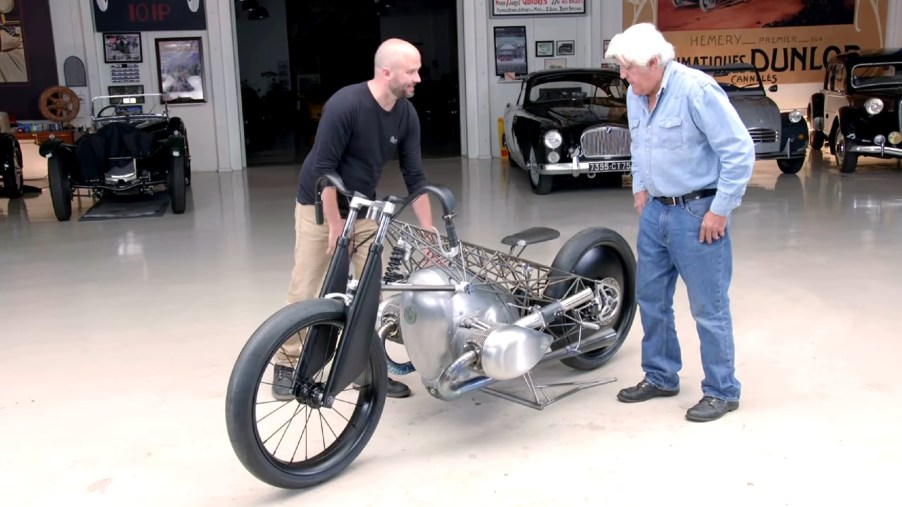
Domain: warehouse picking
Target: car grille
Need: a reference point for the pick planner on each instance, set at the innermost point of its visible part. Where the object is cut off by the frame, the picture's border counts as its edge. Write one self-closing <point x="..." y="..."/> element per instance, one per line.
<point x="760" y="135"/>
<point x="606" y="141"/>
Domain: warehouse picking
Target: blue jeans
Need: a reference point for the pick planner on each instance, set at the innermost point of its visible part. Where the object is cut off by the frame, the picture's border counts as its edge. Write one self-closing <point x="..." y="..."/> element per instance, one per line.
<point x="668" y="246"/>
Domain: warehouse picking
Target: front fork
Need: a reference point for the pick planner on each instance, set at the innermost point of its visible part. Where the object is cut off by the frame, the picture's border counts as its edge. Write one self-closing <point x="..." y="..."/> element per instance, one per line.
<point x="351" y="353"/>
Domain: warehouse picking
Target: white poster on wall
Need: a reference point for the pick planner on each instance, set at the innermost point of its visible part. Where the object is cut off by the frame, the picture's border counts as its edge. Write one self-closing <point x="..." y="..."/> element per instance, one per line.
<point x="537" y="7"/>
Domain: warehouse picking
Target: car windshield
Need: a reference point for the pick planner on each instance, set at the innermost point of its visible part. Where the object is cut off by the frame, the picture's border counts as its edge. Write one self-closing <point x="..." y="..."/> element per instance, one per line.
<point x="744" y="79"/>
<point x="877" y="74"/>
<point x="132" y="105"/>
<point x="597" y="89"/>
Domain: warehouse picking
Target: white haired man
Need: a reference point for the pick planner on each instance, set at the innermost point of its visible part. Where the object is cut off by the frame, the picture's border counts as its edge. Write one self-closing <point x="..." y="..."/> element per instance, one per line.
<point x="692" y="158"/>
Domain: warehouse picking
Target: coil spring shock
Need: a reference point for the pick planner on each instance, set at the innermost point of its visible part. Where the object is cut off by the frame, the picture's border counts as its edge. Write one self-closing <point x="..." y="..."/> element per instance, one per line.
<point x="394" y="262"/>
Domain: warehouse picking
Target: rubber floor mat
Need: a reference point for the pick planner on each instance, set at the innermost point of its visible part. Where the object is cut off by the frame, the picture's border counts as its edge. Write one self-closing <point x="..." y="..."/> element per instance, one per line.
<point x="127" y="206"/>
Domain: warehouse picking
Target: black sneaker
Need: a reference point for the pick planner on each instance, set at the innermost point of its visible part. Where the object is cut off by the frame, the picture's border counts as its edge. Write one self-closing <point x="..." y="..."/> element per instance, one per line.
<point x="282" y="382"/>
<point x="397" y="389"/>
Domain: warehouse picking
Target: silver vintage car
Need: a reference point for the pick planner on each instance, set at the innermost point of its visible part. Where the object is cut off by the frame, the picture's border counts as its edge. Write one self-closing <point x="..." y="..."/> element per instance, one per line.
<point x="780" y="136"/>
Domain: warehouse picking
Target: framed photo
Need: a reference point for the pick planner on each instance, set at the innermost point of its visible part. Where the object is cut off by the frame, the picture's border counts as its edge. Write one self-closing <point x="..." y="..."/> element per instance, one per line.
<point x="13" y="62"/>
<point x="510" y="51"/>
<point x="180" y="70"/>
<point x="501" y="8"/>
<point x="122" y="48"/>
<point x="565" y="48"/>
<point x="555" y="63"/>
<point x="544" y="48"/>
<point x="127" y="90"/>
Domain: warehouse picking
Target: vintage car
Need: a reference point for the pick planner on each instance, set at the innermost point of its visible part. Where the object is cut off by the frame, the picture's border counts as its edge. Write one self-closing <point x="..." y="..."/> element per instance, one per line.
<point x="859" y="110"/>
<point x="568" y="122"/>
<point x="134" y="147"/>
<point x="12" y="179"/>
<point x="777" y="135"/>
<point x="705" y="5"/>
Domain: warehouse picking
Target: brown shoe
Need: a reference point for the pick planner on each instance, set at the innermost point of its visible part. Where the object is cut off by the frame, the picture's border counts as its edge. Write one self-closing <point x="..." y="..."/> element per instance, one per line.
<point x="644" y="391"/>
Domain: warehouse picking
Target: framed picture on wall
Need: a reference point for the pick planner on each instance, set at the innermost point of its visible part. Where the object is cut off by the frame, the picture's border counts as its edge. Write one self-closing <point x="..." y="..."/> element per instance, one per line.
<point x="555" y="63"/>
<point x="12" y="39"/>
<point x="544" y="48"/>
<point x="122" y="48"/>
<point x="180" y="70"/>
<point x="565" y="48"/>
<point x="136" y="89"/>
<point x="510" y="50"/>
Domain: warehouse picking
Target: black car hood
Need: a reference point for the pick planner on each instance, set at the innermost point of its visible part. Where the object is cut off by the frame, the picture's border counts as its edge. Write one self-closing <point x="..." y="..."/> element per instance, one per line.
<point x="575" y="114"/>
<point x="879" y="92"/>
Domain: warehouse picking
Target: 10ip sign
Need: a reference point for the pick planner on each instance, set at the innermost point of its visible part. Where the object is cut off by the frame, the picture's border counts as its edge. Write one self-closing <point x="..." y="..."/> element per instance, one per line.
<point x="148" y="15"/>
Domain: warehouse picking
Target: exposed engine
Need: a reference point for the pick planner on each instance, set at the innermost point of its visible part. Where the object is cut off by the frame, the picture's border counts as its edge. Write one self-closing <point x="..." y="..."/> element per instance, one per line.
<point x="459" y="341"/>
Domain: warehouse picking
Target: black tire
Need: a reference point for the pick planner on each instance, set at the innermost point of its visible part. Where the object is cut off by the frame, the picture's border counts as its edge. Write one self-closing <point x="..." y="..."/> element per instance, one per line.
<point x="60" y="188"/>
<point x="540" y="183"/>
<point x="845" y="160"/>
<point x="13" y="175"/>
<point x="258" y="448"/>
<point x="177" y="185"/>
<point x="599" y="253"/>
<point x="816" y="139"/>
<point x="790" y="165"/>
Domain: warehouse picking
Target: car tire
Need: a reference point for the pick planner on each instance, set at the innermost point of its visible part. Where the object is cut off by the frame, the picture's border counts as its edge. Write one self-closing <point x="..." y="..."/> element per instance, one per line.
<point x="816" y="139"/>
<point x="60" y="188"/>
<point x="14" y="176"/>
<point x="540" y="183"/>
<point x="845" y="160"/>
<point x="177" y="185"/>
<point x="790" y="165"/>
<point x="707" y="5"/>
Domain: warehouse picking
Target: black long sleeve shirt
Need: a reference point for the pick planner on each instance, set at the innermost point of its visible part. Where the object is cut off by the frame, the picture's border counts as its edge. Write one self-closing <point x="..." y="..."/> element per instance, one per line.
<point x="356" y="138"/>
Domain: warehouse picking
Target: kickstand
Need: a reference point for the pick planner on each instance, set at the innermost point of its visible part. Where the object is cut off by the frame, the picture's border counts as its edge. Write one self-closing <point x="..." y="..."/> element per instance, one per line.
<point x="541" y="399"/>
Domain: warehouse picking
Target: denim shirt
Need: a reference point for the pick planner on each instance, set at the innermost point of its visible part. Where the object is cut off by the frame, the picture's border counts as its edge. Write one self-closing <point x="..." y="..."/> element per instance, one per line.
<point x="693" y="140"/>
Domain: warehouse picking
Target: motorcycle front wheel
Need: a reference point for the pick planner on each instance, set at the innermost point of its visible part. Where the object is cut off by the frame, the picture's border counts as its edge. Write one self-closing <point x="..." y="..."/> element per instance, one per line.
<point x="299" y="443"/>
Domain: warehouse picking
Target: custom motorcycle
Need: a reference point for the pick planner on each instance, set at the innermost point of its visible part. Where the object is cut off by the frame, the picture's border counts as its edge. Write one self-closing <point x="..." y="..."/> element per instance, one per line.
<point x="470" y="319"/>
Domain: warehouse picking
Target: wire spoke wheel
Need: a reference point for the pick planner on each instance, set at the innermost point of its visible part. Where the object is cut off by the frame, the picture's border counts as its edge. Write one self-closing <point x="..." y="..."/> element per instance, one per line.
<point x="303" y="441"/>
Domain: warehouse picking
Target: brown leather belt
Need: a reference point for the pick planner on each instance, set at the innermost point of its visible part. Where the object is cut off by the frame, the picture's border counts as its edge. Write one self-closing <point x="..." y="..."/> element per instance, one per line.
<point x="691" y="196"/>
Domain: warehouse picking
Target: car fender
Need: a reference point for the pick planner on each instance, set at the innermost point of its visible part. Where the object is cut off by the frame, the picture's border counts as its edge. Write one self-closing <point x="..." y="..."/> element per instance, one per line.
<point x="848" y="117"/>
<point x="50" y="147"/>
<point x="816" y="112"/>
<point x="176" y="144"/>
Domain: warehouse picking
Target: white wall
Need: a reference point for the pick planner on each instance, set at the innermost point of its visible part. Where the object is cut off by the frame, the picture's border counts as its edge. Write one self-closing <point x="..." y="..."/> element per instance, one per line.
<point x="214" y="126"/>
<point x="483" y="97"/>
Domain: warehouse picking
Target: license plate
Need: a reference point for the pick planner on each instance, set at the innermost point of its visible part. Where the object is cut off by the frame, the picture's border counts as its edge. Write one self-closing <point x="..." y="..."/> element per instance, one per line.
<point x="606" y="167"/>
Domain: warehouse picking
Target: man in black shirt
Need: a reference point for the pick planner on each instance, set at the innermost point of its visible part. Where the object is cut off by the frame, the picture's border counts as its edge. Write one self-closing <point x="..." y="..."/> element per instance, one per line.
<point x="362" y="127"/>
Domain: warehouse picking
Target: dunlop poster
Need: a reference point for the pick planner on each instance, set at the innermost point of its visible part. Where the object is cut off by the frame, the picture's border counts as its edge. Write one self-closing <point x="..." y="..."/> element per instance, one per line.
<point x="788" y="41"/>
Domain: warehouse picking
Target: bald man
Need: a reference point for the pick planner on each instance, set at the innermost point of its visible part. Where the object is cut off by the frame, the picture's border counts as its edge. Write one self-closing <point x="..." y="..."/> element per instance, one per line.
<point x="362" y="127"/>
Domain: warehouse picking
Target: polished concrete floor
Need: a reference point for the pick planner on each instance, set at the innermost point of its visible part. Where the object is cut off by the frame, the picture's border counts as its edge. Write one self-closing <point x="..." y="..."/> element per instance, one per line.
<point x="117" y="339"/>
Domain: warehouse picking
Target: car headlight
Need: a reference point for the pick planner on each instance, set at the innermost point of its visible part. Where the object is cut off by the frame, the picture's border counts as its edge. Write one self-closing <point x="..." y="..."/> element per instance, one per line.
<point x="554" y="157"/>
<point x="553" y="139"/>
<point x="795" y="116"/>
<point x="873" y="106"/>
<point x="895" y="137"/>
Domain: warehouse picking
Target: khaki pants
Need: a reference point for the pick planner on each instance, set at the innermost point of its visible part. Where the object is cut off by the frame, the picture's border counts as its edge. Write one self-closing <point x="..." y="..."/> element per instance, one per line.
<point x="311" y="263"/>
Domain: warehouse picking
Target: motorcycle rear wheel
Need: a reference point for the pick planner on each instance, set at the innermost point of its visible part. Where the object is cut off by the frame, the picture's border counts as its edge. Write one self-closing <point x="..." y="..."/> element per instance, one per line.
<point x="290" y="444"/>
<point x="598" y="253"/>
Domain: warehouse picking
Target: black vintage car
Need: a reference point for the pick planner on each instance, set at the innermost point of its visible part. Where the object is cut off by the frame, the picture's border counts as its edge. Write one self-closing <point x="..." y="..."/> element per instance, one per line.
<point x="12" y="179"/>
<point x="134" y="147"/>
<point x="568" y="122"/>
<point x="859" y="110"/>
<point x="778" y="135"/>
